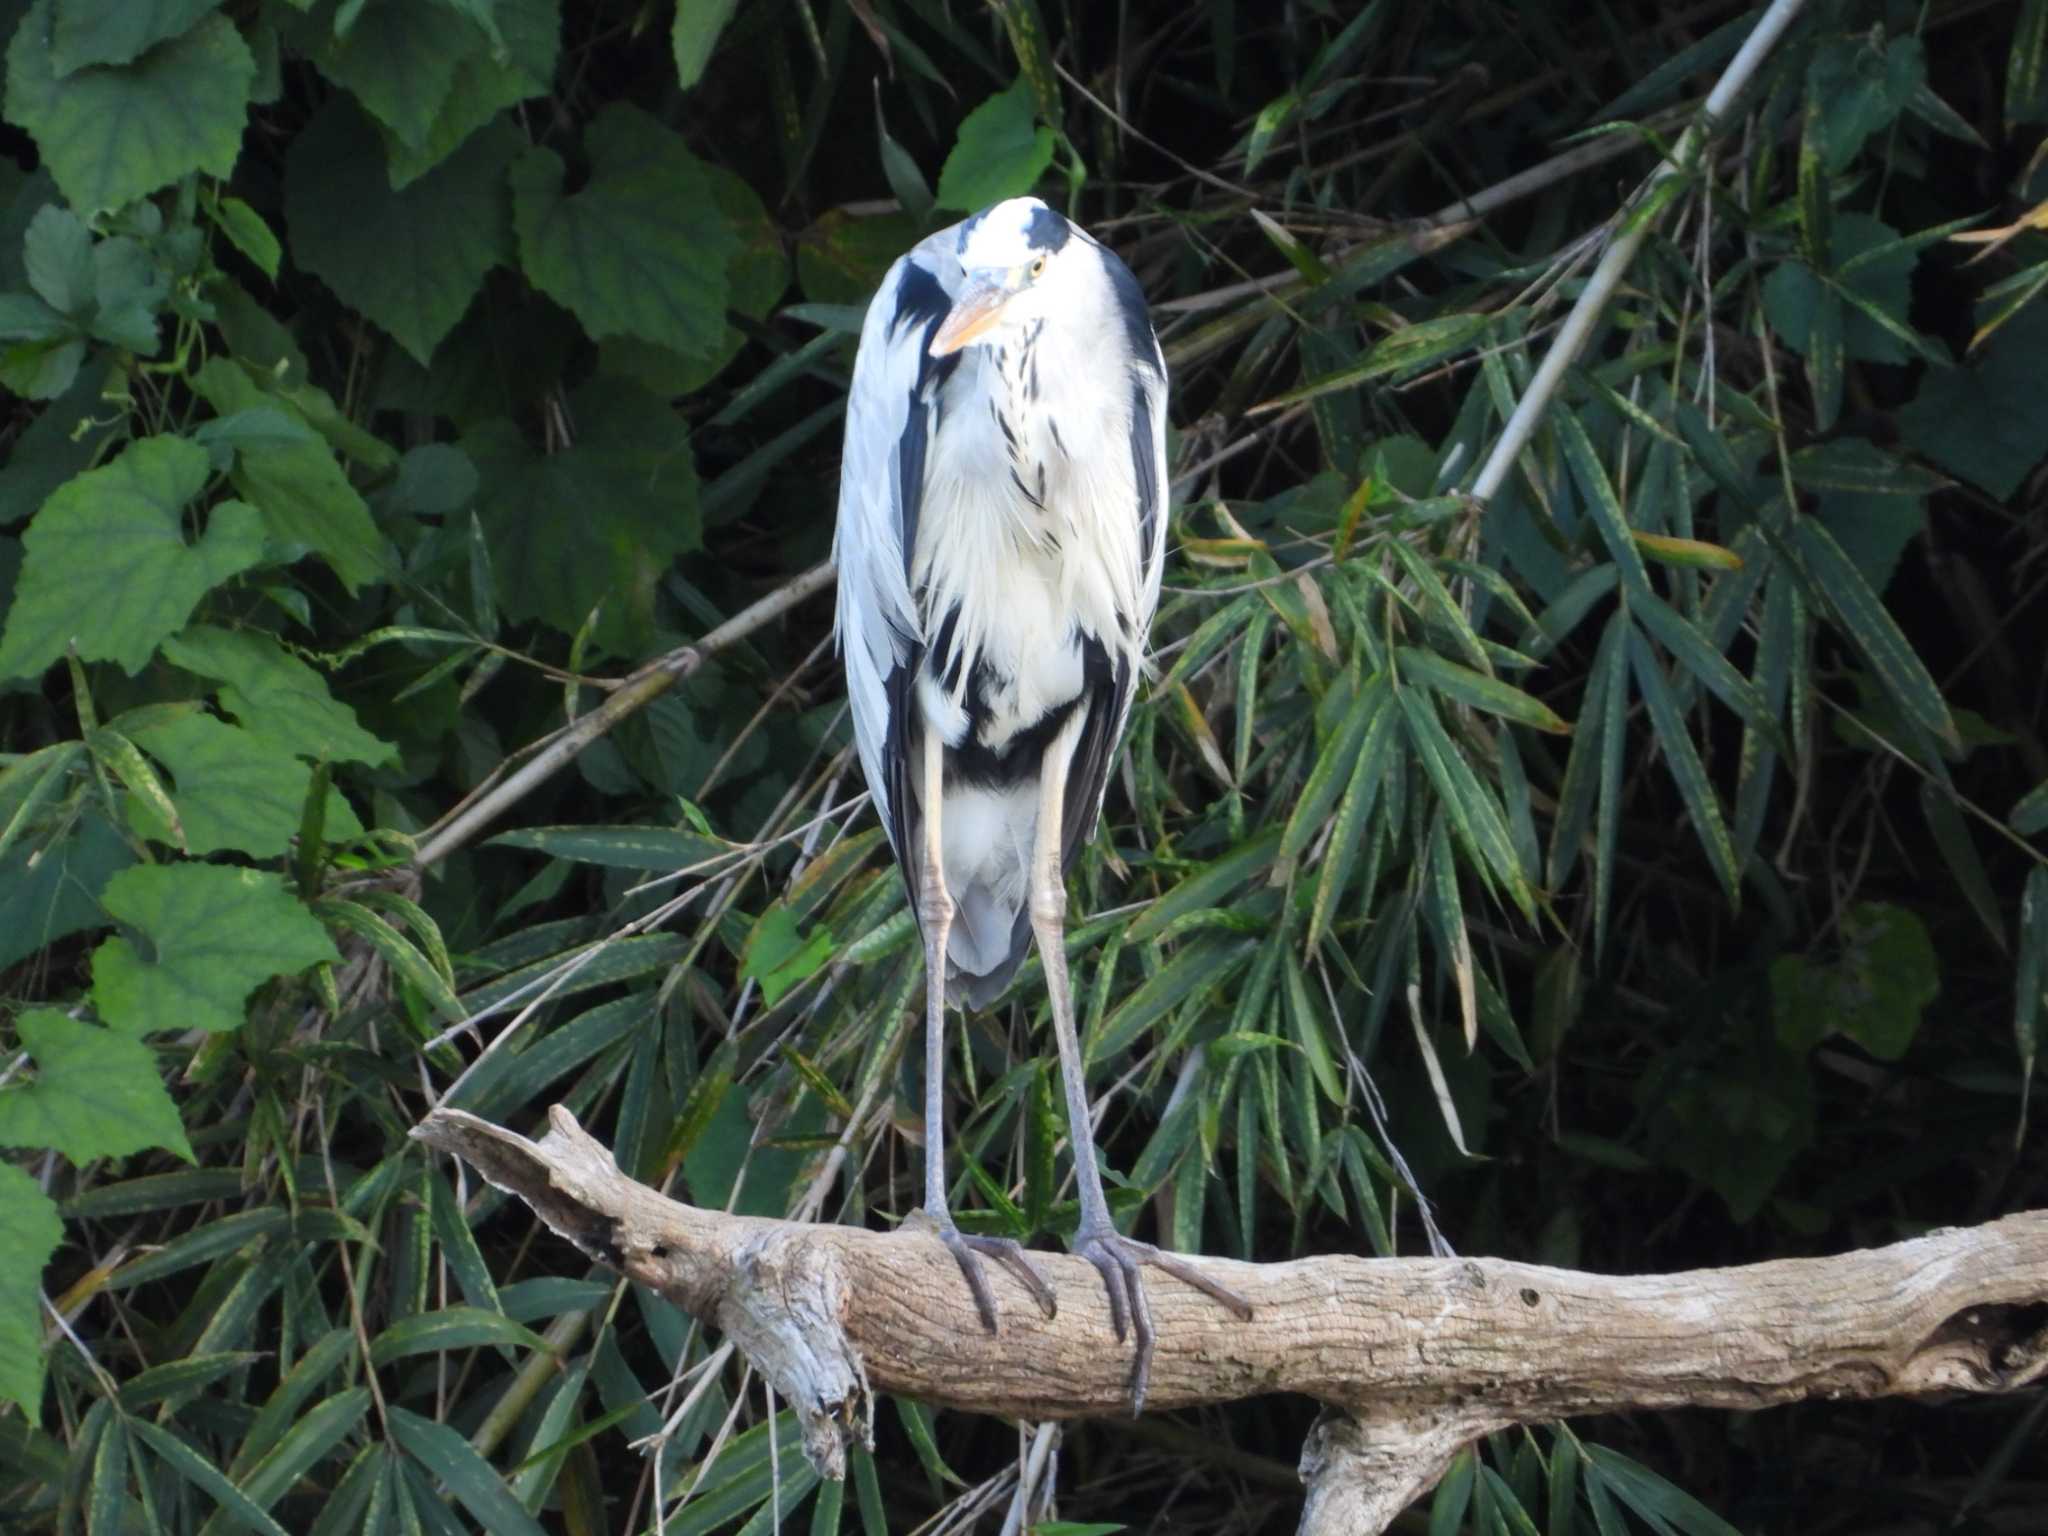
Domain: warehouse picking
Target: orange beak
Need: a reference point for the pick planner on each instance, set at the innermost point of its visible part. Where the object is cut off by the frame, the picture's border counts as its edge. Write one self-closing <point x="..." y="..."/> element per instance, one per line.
<point x="977" y="309"/>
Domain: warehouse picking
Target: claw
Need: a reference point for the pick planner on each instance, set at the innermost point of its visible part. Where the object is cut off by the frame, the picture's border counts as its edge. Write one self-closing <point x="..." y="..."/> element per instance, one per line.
<point x="1006" y="1251"/>
<point x="1117" y="1258"/>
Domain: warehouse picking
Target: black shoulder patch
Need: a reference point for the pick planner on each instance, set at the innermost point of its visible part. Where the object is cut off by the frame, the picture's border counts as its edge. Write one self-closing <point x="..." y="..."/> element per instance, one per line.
<point x="1047" y="230"/>
<point x="920" y="300"/>
<point x="1144" y="468"/>
<point x="1135" y="313"/>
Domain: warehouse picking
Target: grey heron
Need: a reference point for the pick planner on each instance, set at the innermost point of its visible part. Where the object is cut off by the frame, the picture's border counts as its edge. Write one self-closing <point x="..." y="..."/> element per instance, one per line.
<point x="1002" y="527"/>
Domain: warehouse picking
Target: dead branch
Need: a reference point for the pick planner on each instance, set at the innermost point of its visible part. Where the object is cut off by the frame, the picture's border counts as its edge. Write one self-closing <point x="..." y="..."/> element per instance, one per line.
<point x="1415" y="1356"/>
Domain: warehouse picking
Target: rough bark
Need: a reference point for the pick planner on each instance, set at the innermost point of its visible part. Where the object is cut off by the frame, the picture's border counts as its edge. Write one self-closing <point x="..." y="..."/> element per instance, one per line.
<point x="1414" y="1356"/>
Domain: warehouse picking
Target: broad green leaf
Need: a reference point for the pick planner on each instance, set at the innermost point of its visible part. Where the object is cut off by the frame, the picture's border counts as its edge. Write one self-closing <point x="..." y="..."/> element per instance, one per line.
<point x="1987" y="422"/>
<point x="484" y="84"/>
<point x="450" y="1328"/>
<point x="118" y="31"/>
<point x="640" y="249"/>
<point x="399" y="58"/>
<point x="695" y="33"/>
<point x="214" y="934"/>
<point x="95" y="1093"/>
<point x="632" y="477"/>
<point x="1875" y="991"/>
<point x="1001" y="152"/>
<point x="276" y="696"/>
<point x="622" y="847"/>
<point x="29" y="1234"/>
<point x="411" y="260"/>
<point x="1880" y="284"/>
<point x="1478" y="690"/>
<point x="447" y="1456"/>
<point x="232" y="789"/>
<point x="110" y="546"/>
<point x="1682" y="757"/>
<point x="304" y="496"/>
<point x="1874" y="632"/>
<point x="112" y="134"/>
<point x="779" y="957"/>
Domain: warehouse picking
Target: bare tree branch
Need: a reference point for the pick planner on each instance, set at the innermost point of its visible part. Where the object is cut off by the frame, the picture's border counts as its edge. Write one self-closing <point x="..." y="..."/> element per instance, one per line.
<point x="1416" y="1356"/>
<point x="646" y="685"/>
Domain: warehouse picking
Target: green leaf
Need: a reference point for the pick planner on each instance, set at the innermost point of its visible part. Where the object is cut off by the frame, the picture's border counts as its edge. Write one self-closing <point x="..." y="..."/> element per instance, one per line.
<point x="233" y="790"/>
<point x="398" y="57"/>
<point x="411" y="260"/>
<point x="632" y="477"/>
<point x="214" y="933"/>
<point x="310" y="1439"/>
<point x="1648" y="1494"/>
<point x="56" y="253"/>
<point x="1987" y="423"/>
<point x="276" y="696"/>
<point x="112" y="134"/>
<point x="1875" y="991"/>
<point x="624" y="847"/>
<point x="29" y="1233"/>
<point x="247" y="232"/>
<point x="778" y="957"/>
<point x="1000" y="152"/>
<point x="485" y="83"/>
<point x="202" y="1474"/>
<point x="95" y="1093"/>
<point x="1873" y="630"/>
<point x="1682" y="757"/>
<point x="450" y="1328"/>
<point x="640" y="249"/>
<point x="695" y="34"/>
<point x="452" y="1460"/>
<point x="1478" y="690"/>
<point x="51" y="892"/>
<point x="305" y="499"/>
<point x="1878" y="284"/>
<point x="110" y="544"/>
<point x="1203" y="963"/>
<point x="1601" y="503"/>
<point x="118" y="31"/>
<point x="2029" y="816"/>
<point x="1332" y="771"/>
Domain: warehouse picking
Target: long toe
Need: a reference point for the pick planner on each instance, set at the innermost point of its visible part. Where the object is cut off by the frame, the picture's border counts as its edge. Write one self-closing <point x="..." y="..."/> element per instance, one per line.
<point x="1011" y="1254"/>
<point x="963" y="1251"/>
<point x="1118" y="1259"/>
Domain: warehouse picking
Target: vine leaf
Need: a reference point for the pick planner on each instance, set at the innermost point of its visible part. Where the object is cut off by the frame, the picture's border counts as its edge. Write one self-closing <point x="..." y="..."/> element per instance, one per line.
<point x="96" y="1093"/>
<point x="275" y="695"/>
<point x="107" y="568"/>
<point x="216" y="933"/>
<point x="112" y="134"/>
<point x="641" y="248"/>
<point x="411" y="260"/>
<point x="29" y="1233"/>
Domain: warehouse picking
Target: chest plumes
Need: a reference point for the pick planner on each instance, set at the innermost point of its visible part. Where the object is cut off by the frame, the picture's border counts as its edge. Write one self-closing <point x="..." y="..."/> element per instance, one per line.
<point x="1029" y="535"/>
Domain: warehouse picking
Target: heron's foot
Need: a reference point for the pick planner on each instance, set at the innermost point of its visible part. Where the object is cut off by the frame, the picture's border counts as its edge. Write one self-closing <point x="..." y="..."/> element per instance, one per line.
<point x="967" y="1253"/>
<point x="1117" y="1258"/>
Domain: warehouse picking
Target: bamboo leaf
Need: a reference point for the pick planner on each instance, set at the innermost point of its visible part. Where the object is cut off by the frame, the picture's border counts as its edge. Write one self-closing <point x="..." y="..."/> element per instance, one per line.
<point x="1682" y="757"/>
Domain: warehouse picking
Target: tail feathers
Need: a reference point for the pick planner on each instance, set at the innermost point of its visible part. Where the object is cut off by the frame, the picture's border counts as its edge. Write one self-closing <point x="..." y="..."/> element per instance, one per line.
<point x="988" y="942"/>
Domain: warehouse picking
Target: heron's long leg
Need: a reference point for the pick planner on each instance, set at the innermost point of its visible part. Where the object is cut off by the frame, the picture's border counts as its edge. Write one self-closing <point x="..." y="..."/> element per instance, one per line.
<point x="1096" y="1239"/>
<point x="935" y="913"/>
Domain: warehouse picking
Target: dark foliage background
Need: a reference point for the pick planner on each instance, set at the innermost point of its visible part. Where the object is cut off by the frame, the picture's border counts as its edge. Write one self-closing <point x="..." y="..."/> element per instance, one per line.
<point x="388" y="378"/>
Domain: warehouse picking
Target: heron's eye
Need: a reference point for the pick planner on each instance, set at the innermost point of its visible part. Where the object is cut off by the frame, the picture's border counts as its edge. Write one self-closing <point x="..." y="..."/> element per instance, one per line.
<point x="1038" y="268"/>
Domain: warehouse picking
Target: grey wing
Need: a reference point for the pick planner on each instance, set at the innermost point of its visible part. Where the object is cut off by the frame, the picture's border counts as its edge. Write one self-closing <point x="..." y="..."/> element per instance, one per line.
<point x="890" y="415"/>
<point x="1109" y="704"/>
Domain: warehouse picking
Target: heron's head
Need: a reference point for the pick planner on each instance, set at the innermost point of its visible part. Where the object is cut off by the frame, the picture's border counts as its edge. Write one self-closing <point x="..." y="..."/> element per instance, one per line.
<point x="1016" y="255"/>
